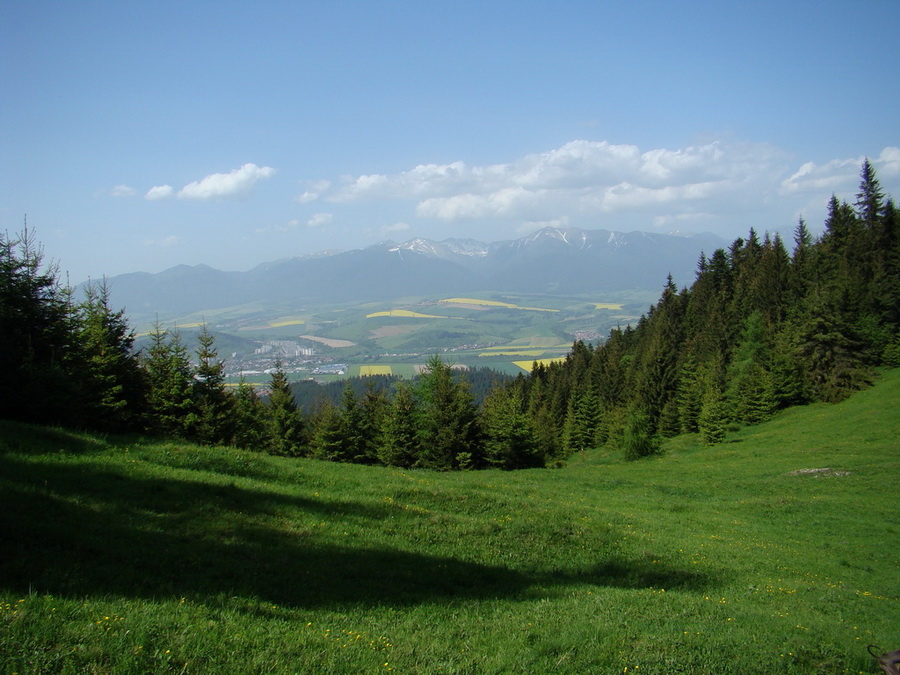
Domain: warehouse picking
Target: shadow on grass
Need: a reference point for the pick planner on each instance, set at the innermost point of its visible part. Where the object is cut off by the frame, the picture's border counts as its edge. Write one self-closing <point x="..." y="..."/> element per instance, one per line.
<point x="77" y="529"/>
<point x="30" y="439"/>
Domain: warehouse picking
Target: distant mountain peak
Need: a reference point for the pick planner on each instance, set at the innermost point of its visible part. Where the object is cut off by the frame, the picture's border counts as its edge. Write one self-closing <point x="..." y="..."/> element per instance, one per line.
<point x="566" y="260"/>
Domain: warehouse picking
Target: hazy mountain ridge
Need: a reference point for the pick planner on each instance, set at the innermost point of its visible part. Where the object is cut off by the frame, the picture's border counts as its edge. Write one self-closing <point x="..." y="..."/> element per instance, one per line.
<point x="552" y="260"/>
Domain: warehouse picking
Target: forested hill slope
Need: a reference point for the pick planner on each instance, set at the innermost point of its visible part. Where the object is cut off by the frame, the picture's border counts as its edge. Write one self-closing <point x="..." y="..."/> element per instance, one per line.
<point x="760" y="329"/>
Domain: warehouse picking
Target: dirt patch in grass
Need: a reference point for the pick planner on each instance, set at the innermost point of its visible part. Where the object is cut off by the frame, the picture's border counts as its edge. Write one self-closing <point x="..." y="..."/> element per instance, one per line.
<point x="818" y="473"/>
<point x="392" y="331"/>
<point x="328" y="342"/>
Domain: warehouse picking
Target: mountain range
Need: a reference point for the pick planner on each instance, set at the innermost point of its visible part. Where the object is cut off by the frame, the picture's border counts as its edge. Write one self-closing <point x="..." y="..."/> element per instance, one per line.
<point x="561" y="261"/>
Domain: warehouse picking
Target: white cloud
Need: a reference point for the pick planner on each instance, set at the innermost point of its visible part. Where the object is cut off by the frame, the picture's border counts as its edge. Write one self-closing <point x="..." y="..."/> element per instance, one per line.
<point x="165" y="242"/>
<point x="839" y="176"/>
<point x="530" y="226"/>
<point x="888" y="163"/>
<point x="319" y="219"/>
<point x="826" y="178"/>
<point x="580" y="179"/>
<point x="238" y="183"/>
<point x="396" y="227"/>
<point x="123" y="191"/>
<point x="721" y="186"/>
<point x="313" y="192"/>
<point x="159" y="192"/>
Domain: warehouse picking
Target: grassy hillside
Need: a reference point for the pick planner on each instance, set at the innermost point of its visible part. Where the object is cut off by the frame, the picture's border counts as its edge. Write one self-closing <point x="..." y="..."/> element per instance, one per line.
<point x="130" y="556"/>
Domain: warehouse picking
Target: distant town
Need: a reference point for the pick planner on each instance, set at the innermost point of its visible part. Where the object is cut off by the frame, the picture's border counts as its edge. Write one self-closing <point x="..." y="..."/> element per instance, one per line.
<point x="295" y="359"/>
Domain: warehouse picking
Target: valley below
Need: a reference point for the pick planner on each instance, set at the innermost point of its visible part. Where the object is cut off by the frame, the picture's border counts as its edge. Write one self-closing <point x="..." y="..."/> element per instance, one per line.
<point x="502" y="331"/>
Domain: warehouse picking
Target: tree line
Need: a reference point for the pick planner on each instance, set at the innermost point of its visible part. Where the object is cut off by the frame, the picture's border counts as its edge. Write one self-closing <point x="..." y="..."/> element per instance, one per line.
<point x="759" y="329"/>
<point x="73" y="362"/>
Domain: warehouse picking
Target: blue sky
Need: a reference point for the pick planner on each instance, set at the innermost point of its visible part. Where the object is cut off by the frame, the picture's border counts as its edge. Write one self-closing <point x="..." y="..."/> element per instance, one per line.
<point x="141" y="135"/>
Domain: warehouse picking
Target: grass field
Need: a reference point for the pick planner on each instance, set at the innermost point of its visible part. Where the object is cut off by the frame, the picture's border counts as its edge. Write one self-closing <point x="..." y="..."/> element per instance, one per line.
<point x="122" y="555"/>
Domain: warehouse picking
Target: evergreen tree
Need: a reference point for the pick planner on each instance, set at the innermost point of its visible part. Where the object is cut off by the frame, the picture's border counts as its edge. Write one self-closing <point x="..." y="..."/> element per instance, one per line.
<point x="373" y="409"/>
<point x="352" y="429"/>
<point x="546" y="428"/>
<point x="750" y="389"/>
<point x="830" y="353"/>
<point x="578" y="429"/>
<point x="36" y="334"/>
<point x="788" y="378"/>
<point x="448" y="422"/>
<point x="802" y="271"/>
<point x="670" y="419"/>
<point x="107" y="370"/>
<point x="870" y="198"/>
<point x="399" y="438"/>
<point x="509" y="438"/>
<point x="609" y="384"/>
<point x="247" y="428"/>
<point x="714" y="417"/>
<point x="657" y="367"/>
<point x="213" y="414"/>
<point x="284" y="429"/>
<point x="169" y="380"/>
<point x="639" y="440"/>
<point x="327" y="440"/>
<point x="886" y="288"/>
<point x="690" y="396"/>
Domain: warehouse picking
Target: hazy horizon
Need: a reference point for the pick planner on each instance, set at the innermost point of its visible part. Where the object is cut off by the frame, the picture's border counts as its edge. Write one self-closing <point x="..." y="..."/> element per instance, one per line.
<point x="137" y="137"/>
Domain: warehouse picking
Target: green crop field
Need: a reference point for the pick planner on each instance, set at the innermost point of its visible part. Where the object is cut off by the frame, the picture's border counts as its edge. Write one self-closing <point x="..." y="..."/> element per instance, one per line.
<point x="775" y="552"/>
<point x="470" y="330"/>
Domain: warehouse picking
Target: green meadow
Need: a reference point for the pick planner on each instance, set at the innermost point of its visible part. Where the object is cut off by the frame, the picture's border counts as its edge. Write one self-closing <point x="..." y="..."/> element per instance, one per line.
<point x="775" y="552"/>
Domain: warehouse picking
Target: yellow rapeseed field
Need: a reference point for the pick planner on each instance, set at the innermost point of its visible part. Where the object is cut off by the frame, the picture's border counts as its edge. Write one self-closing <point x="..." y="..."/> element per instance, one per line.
<point x="495" y="303"/>
<point x="365" y="371"/>
<point x="526" y="365"/>
<point x="405" y="313"/>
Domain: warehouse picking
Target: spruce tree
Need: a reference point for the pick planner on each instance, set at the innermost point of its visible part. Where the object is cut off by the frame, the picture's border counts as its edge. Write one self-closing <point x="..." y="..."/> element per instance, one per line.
<point x="546" y="426"/>
<point x="36" y="326"/>
<point x="107" y="371"/>
<point x="353" y="442"/>
<point x="399" y="438"/>
<point x="690" y="396"/>
<point x="870" y="198"/>
<point x="802" y="270"/>
<point x="448" y="419"/>
<point x="327" y="440"/>
<point x="657" y="360"/>
<point x="509" y="438"/>
<point x="579" y="428"/>
<point x="247" y="430"/>
<point x="169" y="379"/>
<point x="373" y="408"/>
<point x="755" y="395"/>
<point x="830" y="353"/>
<point x="639" y="439"/>
<point x="213" y="414"/>
<point x="714" y="417"/>
<point x="284" y="428"/>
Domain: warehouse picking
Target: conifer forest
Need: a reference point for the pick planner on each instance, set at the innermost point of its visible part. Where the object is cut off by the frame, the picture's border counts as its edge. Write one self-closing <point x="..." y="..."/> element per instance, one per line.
<point x="765" y="325"/>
